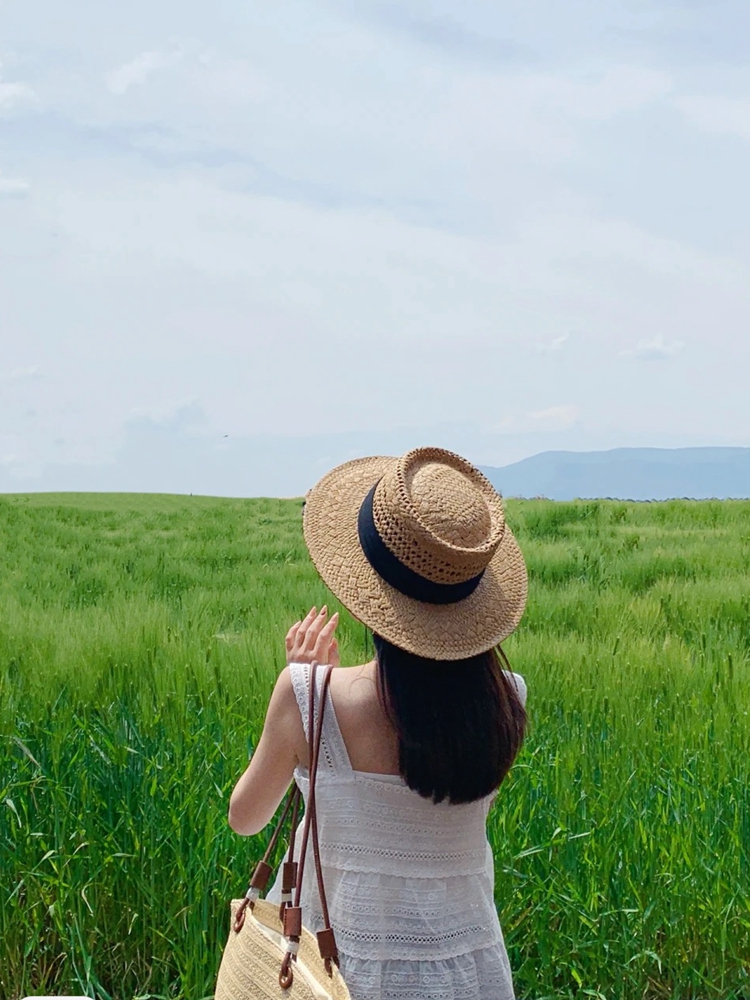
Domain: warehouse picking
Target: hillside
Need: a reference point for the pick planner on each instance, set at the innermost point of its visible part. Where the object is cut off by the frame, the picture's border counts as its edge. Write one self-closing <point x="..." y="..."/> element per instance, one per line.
<point x="628" y="474"/>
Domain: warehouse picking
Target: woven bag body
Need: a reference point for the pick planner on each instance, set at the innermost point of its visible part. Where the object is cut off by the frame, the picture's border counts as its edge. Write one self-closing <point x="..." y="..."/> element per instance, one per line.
<point x="249" y="968"/>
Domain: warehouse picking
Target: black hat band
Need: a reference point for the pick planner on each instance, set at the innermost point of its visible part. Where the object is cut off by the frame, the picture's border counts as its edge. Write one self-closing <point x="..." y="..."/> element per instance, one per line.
<point x="399" y="576"/>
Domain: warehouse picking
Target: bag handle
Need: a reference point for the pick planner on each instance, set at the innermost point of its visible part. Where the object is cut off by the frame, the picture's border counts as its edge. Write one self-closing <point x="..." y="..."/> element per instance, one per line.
<point x="292" y="871"/>
<point x="263" y="870"/>
<point x="292" y="918"/>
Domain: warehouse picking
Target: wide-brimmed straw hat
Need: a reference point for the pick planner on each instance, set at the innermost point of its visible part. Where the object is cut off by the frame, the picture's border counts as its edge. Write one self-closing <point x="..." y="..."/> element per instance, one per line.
<point x="418" y="549"/>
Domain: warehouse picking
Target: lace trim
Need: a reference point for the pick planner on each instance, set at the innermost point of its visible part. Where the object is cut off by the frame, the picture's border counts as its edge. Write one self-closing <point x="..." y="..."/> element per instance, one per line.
<point x="346" y="819"/>
<point x="385" y="917"/>
<point x="374" y="859"/>
<point x="409" y="864"/>
<point x="400" y="947"/>
<point x="482" y="975"/>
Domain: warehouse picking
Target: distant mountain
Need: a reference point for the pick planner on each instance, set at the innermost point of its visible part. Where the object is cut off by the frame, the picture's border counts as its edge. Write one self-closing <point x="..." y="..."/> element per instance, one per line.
<point x="628" y="474"/>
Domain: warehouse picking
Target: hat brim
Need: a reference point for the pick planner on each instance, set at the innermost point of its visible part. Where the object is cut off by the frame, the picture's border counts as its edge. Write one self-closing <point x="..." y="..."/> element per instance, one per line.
<point x="440" y="632"/>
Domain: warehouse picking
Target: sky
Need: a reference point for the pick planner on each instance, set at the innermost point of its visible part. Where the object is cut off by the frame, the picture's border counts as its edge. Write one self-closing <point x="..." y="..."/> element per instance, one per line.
<point x="243" y="242"/>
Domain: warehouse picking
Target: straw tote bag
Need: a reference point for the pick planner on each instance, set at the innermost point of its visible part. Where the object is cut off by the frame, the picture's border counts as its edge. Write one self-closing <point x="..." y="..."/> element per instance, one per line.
<point x="269" y="952"/>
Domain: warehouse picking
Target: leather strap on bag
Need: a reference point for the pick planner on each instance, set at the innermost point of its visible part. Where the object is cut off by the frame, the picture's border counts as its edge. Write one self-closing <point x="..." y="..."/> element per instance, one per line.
<point x="263" y="870"/>
<point x="292" y="917"/>
<point x="289" y="869"/>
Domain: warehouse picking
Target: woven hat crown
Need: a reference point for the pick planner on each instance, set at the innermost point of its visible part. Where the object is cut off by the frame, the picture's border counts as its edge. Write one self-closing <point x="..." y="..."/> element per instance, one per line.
<point x="439" y="515"/>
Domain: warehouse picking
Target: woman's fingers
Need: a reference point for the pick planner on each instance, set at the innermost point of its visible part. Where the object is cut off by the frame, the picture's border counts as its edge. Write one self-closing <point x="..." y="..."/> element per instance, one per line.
<point x="301" y="633"/>
<point x="309" y="617"/>
<point x="313" y="630"/>
<point x="290" y="636"/>
<point x="312" y="638"/>
<point x="323" y="641"/>
<point x="296" y="635"/>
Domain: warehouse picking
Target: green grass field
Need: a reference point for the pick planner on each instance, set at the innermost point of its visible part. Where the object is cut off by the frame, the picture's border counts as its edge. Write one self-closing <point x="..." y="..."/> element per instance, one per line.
<point x="139" y="641"/>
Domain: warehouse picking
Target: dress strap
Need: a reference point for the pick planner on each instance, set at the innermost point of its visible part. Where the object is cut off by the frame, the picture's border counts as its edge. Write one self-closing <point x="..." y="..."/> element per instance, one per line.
<point x="334" y="758"/>
<point x="300" y="675"/>
<point x="520" y="686"/>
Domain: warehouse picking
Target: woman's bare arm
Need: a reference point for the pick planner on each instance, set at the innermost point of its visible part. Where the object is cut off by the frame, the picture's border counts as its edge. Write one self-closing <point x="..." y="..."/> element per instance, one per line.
<point x="282" y="745"/>
<point x="261" y="788"/>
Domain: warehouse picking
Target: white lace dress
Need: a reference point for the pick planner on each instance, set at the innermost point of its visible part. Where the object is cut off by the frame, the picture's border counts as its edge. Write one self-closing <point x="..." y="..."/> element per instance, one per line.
<point x="409" y="883"/>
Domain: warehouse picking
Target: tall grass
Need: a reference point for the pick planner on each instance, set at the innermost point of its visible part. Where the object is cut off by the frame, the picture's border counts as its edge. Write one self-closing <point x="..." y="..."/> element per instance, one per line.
<point x="139" y="641"/>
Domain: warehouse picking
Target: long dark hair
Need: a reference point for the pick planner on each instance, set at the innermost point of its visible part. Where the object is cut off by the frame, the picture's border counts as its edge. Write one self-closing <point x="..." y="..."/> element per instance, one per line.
<point x="460" y="723"/>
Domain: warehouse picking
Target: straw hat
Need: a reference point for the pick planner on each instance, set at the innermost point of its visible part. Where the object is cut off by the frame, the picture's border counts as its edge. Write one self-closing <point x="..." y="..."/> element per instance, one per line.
<point x="417" y="548"/>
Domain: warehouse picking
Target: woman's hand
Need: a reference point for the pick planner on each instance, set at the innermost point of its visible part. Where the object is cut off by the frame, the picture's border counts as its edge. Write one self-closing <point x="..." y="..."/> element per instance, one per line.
<point x="313" y="639"/>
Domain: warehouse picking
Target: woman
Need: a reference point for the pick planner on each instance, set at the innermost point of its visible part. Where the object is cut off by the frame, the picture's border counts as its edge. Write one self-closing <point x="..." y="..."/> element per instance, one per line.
<point x="417" y="741"/>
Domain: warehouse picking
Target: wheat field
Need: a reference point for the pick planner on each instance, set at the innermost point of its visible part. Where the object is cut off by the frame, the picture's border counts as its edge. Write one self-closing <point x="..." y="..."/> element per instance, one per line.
<point x="140" y="636"/>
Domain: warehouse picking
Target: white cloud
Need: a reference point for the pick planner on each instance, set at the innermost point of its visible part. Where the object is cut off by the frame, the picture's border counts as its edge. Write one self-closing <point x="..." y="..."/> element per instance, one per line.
<point x="11" y="187"/>
<point x="542" y="113"/>
<point x="653" y="350"/>
<point x="553" y="345"/>
<point x="181" y="413"/>
<point x="10" y="93"/>
<point x="21" y="374"/>
<point x="597" y="96"/>
<point x="140" y="68"/>
<point x="720" y="115"/>
<point x="553" y="418"/>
